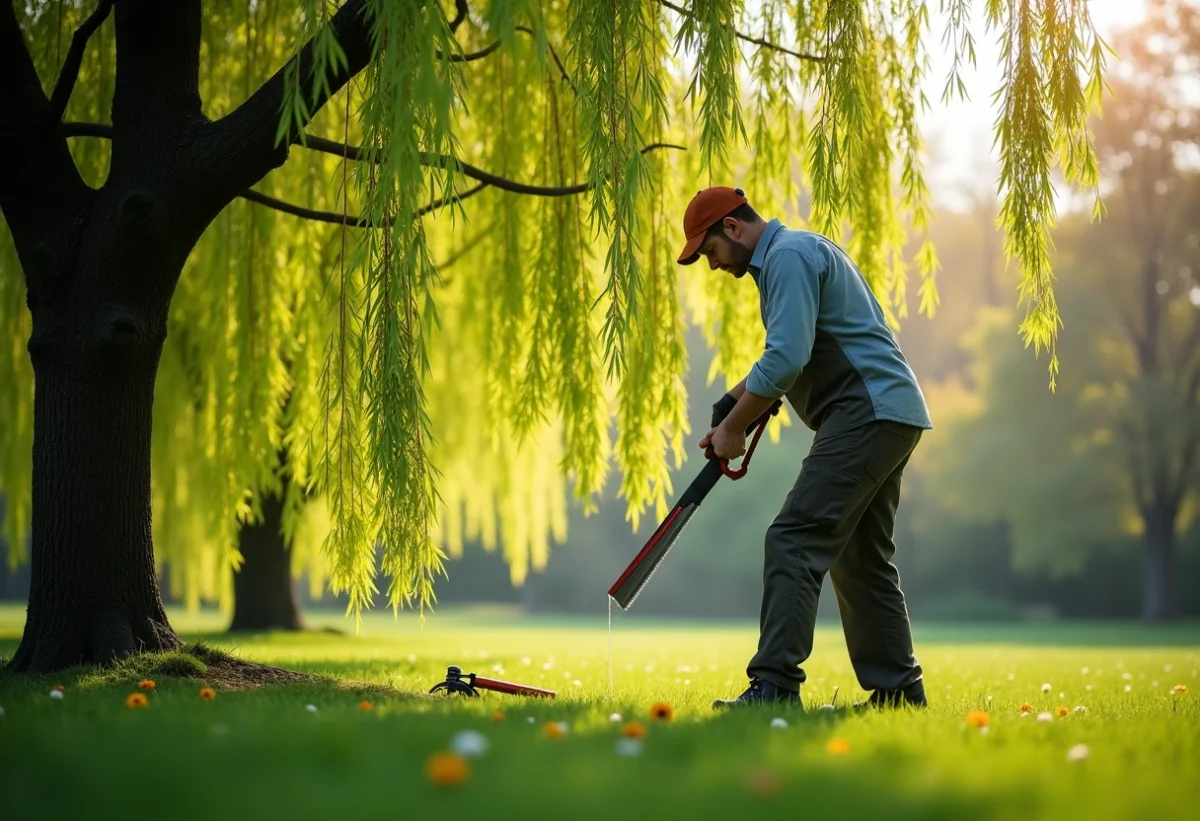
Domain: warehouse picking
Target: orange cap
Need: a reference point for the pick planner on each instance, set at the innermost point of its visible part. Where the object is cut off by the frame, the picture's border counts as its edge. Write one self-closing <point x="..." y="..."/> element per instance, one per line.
<point x="706" y="208"/>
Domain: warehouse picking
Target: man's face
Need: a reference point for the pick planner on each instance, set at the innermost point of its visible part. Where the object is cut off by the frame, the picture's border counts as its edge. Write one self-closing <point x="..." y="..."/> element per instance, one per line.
<point x="727" y="251"/>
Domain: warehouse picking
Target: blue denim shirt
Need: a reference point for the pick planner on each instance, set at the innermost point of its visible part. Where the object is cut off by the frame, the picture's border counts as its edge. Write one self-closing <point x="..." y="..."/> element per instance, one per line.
<point x="829" y="348"/>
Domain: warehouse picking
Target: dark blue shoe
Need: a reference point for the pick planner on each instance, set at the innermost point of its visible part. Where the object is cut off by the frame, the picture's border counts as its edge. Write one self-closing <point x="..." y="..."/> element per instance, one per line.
<point x="761" y="692"/>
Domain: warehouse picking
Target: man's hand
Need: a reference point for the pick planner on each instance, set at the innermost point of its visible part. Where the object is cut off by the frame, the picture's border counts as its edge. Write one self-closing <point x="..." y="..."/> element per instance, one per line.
<point x="725" y="442"/>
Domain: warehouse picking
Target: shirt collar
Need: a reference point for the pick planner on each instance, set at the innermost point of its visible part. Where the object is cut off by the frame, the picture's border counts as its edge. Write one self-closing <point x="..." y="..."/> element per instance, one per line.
<point x="764" y="242"/>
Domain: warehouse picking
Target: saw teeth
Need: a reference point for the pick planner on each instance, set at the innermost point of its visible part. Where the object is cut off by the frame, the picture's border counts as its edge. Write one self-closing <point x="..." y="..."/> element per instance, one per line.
<point x="687" y="517"/>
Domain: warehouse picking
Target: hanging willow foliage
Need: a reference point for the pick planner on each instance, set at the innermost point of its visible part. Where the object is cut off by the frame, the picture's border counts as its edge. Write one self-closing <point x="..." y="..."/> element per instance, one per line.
<point x="444" y="367"/>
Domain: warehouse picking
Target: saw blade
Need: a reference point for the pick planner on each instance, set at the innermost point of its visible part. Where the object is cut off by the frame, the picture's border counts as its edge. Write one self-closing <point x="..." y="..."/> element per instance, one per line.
<point x="646" y="563"/>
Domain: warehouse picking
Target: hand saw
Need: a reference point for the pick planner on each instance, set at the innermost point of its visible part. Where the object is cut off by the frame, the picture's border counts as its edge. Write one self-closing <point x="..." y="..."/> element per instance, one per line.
<point x="628" y="586"/>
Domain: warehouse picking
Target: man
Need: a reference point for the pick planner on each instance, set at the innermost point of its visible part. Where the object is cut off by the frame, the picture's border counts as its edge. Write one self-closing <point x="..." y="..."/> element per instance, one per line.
<point x="830" y="351"/>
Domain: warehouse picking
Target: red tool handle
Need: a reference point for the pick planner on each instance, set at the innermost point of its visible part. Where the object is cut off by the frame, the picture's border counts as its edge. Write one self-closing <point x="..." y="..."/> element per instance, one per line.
<point x="509" y="687"/>
<point x="759" y="425"/>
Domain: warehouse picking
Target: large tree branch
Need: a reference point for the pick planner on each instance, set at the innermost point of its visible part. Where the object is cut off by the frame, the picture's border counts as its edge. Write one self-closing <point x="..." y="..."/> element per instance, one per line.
<point x="352" y="152"/>
<point x="40" y="187"/>
<point x="245" y="140"/>
<point x="349" y="220"/>
<point x="158" y="61"/>
<point x="460" y="14"/>
<point x="70" y="68"/>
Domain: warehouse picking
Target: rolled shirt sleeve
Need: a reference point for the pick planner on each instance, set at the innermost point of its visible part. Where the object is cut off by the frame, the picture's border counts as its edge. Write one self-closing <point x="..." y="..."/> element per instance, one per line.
<point x="790" y="288"/>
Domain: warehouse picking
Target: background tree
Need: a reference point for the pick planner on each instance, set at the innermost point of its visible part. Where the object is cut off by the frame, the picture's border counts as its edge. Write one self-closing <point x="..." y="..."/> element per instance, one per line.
<point x="422" y="402"/>
<point x="1116" y="449"/>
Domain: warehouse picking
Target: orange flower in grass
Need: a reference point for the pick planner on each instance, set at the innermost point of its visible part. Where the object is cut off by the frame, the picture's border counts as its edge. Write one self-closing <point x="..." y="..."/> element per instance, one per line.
<point x="978" y="718"/>
<point x="837" y="746"/>
<point x="661" y="711"/>
<point x="555" y="730"/>
<point x="447" y="769"/>
<point x="1063" y="712"/>
<point x="146" y="685"/>
<point x="366" y="705"/>
<point x="1026" y="708"/>
<point x="135" y="700"/>
<point x="1180" y="689"/>
<point x="208" y="693"/>
<point x="633" y="730"/>
<point x="497" y="716"/>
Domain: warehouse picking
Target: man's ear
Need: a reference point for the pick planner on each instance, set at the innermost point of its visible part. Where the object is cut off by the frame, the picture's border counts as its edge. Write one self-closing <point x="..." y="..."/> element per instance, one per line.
<point x="733" y="227"/>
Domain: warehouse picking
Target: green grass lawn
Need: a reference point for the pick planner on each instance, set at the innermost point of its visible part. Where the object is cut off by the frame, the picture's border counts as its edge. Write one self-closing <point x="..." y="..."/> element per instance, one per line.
<point x="262" y="754"/>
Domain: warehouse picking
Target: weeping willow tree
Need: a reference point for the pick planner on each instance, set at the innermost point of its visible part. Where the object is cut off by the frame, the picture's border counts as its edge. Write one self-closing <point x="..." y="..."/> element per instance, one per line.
<point x="411" y="267"/>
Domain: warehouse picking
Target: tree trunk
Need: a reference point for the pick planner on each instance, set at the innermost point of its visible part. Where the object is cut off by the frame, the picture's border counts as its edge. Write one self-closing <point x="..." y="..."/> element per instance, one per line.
<point x="100" y="268"/>
<point x="94" y="594"/>
<point x="264" y="597"/>
<point x="1158" y="603"/>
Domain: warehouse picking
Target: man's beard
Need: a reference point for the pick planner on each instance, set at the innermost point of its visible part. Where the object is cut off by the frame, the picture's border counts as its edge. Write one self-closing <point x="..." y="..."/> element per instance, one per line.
<point x="741" y="260"/>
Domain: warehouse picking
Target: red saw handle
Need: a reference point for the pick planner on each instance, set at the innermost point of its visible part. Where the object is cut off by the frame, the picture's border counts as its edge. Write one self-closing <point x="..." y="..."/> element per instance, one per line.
<point x="758" y="426"/>
<point x="509" y="687"/>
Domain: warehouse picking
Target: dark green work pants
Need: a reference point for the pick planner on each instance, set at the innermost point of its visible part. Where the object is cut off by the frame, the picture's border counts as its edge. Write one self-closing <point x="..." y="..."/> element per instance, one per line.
<point x="838" y="519"/>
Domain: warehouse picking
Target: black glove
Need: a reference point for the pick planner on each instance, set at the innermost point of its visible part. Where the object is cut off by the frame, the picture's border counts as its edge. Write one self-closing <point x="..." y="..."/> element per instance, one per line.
<point x="722" y="408"/>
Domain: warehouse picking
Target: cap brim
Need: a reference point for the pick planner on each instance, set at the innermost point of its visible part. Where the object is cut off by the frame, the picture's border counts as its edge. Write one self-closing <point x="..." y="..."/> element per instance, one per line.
<point x="691" y="251"/>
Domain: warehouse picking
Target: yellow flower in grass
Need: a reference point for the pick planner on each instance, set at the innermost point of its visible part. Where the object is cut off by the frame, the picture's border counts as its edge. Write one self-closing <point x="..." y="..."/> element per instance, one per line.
<point x="366" y="705"/>
<point x="208" y="693"/>
<point x="447" y="769"/>
<point x="978" y="718"/>
<point x="135" y="700"/>
<point x="837" y="746"/>
<point x="1026" y="708"/>
<point x="146" y="685"/>
<point x="661" y="711"/>
<point x="1063" y="712"/>
<point x="1180" y="689"/>
<point x="634" y="729"/>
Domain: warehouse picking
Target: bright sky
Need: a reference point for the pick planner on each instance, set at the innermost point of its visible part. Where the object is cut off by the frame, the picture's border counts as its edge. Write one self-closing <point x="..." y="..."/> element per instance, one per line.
<point x="961" y="132"/>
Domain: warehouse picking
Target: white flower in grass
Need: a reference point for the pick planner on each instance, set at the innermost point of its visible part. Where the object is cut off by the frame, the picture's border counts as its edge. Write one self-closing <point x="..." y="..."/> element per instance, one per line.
<point x="826" y="707"/>
<point x="1084" y="671"/>
<point x="1080" y="709"/>
<point x="1011" y="676"/>
<point x="615" y="717"/>
<point x="529" y="719"/>
<point x="1045" y="717"/>
<point x="779" y="721"/>
<point x="628" y="747"/>
<point x="1078" y="753"/>
<point x="577" y="683"/>
<point x="1046" y="687"/>
<point x="56" y="694"/>
<point x="312" y="708"/>
<point x="1129" y="688"/>
<point x="469" y="744"/>
<point x="1" y="712"/>
<point x="1089" y="688"/>
<point x="1127" y="676"/>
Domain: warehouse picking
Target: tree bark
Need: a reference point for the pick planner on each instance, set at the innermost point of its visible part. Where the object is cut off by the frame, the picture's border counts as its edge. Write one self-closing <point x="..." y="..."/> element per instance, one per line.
<point x="98" y="328"/>
<point x="264" y="596"/>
